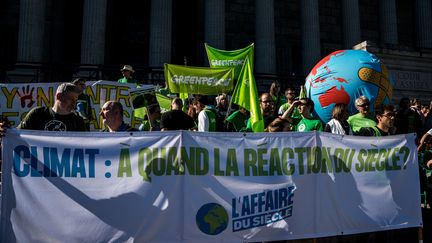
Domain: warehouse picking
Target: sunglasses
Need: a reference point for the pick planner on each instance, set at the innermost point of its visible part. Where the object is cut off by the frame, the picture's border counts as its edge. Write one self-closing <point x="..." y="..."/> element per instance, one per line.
<point x="364" y="105"/>
<point x="389" y="115"/>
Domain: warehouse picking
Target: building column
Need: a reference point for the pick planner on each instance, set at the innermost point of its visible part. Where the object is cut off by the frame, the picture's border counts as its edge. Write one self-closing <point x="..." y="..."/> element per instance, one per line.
<point x="388" y="22"/>
<point x="350" y="23"/>
<point x="160" y="32"/>
<point x="31" y="43"/>
<point x="31" y="31"/>
<point x="93" y="32"/>
<point x="265" y="37"/>
<point x="215" y="23"/>
<point x="311" y="49"/>
<point x="424" y="23"/>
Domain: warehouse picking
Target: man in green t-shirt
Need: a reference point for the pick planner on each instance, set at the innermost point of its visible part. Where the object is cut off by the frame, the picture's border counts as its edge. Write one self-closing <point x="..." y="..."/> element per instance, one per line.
<point x="290" y="95"/>
<point x="127" y="72"/>
<point x="267" y="109"/>
<point x="237" y="121"/>
<point x="363" y="118"/>
<point x="308" y="122"/>
<point x="385" y="117"/>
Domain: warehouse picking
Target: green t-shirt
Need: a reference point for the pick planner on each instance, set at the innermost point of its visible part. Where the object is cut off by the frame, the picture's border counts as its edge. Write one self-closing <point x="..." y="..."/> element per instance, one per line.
<point x="306" y="125"/>
<point x="267" y="121"/>
<point x="238" y="120"/>
<point x="295" y="115"/>
<point x="278" y="101"/>
<point x="357" y="121"/>
<point x="129" y="80"/>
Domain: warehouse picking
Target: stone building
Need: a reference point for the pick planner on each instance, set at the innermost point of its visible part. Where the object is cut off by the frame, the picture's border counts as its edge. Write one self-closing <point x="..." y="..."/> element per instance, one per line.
<point x="50" y="41"/>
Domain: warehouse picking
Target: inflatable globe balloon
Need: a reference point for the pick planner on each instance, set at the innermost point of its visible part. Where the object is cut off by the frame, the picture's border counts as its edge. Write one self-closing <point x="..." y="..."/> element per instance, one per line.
<point x="342" y="77"/>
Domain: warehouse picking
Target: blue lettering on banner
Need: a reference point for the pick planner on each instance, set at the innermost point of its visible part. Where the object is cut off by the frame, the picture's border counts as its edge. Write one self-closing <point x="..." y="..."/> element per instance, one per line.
<point x="71" y="162"/>
<point x="262" y="208"/>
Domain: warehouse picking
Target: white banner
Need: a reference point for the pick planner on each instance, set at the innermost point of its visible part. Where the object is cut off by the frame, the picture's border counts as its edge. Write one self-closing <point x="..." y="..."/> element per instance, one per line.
<point x="16" y="99"/>
<point x="204" y="187"/>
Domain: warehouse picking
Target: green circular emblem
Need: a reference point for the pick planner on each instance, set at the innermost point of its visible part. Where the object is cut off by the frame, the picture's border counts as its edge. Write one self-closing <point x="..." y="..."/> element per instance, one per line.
<point x="212" y="219"/>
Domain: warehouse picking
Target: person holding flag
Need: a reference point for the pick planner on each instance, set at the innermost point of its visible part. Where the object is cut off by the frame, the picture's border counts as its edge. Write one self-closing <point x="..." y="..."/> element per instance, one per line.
<point x="246" y="95"/>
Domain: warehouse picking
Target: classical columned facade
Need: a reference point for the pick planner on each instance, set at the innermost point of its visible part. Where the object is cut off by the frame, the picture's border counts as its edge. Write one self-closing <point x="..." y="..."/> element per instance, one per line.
<point x="388" y="22"/>
<point x="310" y="39"/>
<point x="160" y="32"/>
<point x="214" y="23"/>
<point x="290" y="28"/>
<point x="423" y="15"/>
<point x="31" y="31"/>
<point x="350" y="23"/>
<point x="93" y="32"/>
<point x="265" y="46"/>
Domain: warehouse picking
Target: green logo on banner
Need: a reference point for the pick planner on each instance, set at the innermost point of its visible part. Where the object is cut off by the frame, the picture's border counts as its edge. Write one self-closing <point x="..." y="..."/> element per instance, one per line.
<point x="212" y="219"/>
<point x="234" y="58"/>
<point x="199" y="80"/>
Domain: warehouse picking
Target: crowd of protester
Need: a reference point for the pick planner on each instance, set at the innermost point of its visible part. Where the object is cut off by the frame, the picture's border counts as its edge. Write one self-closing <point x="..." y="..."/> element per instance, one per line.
<point x="282" y="112"/>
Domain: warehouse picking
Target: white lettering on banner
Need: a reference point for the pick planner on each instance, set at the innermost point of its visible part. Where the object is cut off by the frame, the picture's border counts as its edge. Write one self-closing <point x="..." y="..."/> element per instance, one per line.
<point x="187" y="79"/>
<point x="262" y="208"/>
<point x="226" y="63"/>
<point x="207" y="187"/>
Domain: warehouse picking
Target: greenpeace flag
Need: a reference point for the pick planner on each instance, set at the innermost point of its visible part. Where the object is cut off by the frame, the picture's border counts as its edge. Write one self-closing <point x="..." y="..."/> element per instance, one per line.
<point x="199" y="80"/>
<point x="234" y="58"/>
<point x="246" y="95"/>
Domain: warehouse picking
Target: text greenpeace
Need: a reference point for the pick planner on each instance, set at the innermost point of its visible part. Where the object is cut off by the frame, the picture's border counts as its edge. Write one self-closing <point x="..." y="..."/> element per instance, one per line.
<point x="198" y="80"/>
<point x="209" y="81"/>
<point x="224" y="63"/>
<point x="206" y="187"/>
<point x="262" y="208"/>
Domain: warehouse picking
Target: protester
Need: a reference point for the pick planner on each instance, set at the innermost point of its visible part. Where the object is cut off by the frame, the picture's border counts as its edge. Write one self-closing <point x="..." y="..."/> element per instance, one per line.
<point x="60" y="117"/>
<point x="385" y="117"/>
<point x="152" y="119"/>
<point x="222" y="104"/>
<point x="176" y="119"/>
<point x="267" y="109"/>
<point x="192" y="111"/>
<point x="363" y="118"/>
<point x="127" y="72"/>
<point x="83" y="104"/>
<point x="407" y="120"/>
<point x="308" y="122"/>
<point x="339" y="124"/>
<point x="277" y="97"/>
<point x="4" y="125"/>
<point x="112" y="117"/>
<point x="279" y="125"/>
<point x="237" y="121"/>
<point x="290" y="95"/>
<point x="425" y="141"/>
<point x="207" y="121"/>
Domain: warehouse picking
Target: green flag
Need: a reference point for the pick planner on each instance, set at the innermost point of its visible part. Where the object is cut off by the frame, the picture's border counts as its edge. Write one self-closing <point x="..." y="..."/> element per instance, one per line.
<point x="246" y="95"/>
<point x="235" y="58"/>
<point x="199" y="80"/>
<point x="164" y="103"/>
